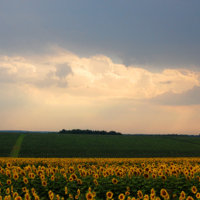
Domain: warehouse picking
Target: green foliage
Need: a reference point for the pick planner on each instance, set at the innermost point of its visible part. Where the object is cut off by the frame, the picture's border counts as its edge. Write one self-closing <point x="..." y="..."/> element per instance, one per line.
<point x="101" y="146"/>
<point x="16" y="148"/>
<point x="106" y="146"/>
<point x="7" y="141"/>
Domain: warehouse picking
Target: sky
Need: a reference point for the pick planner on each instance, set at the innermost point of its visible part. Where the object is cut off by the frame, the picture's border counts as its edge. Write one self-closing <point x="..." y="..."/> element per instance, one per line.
<point x="130" y="66"/>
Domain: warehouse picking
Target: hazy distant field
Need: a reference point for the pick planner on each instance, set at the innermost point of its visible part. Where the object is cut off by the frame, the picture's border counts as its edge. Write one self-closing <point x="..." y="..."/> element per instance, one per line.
<point x="104" y="146"/>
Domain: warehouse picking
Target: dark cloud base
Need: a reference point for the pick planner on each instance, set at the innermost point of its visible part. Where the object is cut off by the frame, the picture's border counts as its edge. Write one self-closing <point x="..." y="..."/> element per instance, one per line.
<point x="189" y="97"/>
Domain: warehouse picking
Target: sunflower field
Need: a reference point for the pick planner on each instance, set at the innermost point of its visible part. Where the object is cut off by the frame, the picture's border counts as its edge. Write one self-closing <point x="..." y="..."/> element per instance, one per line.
<point x="99" y="178"/>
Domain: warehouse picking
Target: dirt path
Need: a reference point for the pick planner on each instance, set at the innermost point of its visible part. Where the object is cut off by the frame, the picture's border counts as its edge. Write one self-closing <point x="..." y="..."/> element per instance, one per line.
<point x="15" y="151"/>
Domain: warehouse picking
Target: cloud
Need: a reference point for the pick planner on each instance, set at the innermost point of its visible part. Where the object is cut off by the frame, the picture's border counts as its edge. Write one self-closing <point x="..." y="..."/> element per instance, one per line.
<point x="15" y="69"/>
<point x="189" y="97"/>
<point x="61" y="86"/>
<point x="63" y="70"/>
<point x="165" y="82"/>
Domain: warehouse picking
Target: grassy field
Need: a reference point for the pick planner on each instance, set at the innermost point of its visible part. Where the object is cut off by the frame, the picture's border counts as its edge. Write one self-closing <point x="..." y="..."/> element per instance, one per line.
<point x="100" y="146"/>
<point x="16" y="148"/>
<point x="7" y="141"/>
<point x="105" y="146"/>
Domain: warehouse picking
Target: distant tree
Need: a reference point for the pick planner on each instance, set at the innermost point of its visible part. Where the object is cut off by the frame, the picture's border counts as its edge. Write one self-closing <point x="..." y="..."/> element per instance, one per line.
<point x="78" y="131"/>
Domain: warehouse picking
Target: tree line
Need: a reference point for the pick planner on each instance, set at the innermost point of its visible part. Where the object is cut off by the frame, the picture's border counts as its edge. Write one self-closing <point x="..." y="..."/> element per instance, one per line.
<point x="91" y="132"/>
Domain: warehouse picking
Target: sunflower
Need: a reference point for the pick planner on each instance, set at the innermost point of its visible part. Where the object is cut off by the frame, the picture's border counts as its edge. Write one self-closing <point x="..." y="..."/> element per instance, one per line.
<point x="139" y="193"/>
<point x="152" y="196"/>
<point x="79" y="181"/>
<point x="71" y="169"/>
<point x="154" y="176"/>
<point x="33" y="190"/>
<point x="7" y="172"/>
<point x="57" y="197"/>
<point x="8" y="191"/>
<point x="24" y="189"/>
<point x="194" y="189"/>
<point x="118" y="173"/>
<point x="89" y="196"/>
<point x="39" y="172"/>
<point x="167" y="197"/>
<point x="143" y="165"/>
<point x="32" y="175"/>
<point x="109" y="195"/>
<point x="96" y="176"/>
<point x="163" y="193"/>
<point x="160" y="173"/>
<point x="15" y="194"/>
<point x="133" y="198"/>
<point x="18" y="198"/>
<point x="182" y="195"/>
<point x="84" y="173"/>
<point x="95" y="182"/>
<point x="146" y="175"/>
<point x="79" y="166"/>
<point x="127" y="193"/>
<point x="27" y="196"/>
<point x="188" y="178"/>
<point x="146" y="169"/>
<point x="198" y="195"/>
<point x="163" y="177"/>
<point x="51" y="196"/>
<point x="76" y="197"/>
<point x="186" y="173"/>
<point x="37" y="198"/>
<point x="71" y="179"/>
<point x="42" y="177"/>
<point x="67" y="191"/>
<point x="73" y="176"/>
<point x="25" y="180"/>
<point x="15" y="176"/>
<point x="78" y="192"/>
<point x="153" y="191"/>
<point x="121" y="197"/>
<point x="52" y="178"/>
<point x="115" y="181"/>
<point x="8" y="165"/>
<point x="9" y="181"/>
<point x="44" y="183"/>
<point x="104" y="174"/>
<point x="22" y="173"/>
<point x="189" y="198"/>
<point x="2" y="171"/>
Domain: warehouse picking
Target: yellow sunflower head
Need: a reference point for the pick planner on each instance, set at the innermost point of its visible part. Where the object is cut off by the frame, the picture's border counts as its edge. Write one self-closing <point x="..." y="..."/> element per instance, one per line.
<point x="121" y="197"/>
<point x="194" y="189"/>
<point x="109" y="195"/>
